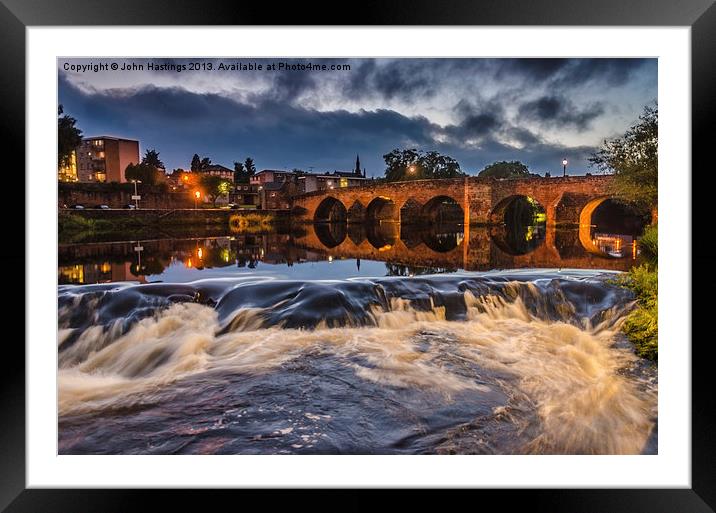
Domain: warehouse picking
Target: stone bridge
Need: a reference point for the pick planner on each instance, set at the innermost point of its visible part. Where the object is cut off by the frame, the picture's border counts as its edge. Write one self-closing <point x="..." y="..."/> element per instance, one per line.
<point x="480" y="200"/>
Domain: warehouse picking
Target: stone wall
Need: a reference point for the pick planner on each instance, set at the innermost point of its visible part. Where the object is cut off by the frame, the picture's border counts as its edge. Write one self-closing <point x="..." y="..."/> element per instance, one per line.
<point x="177" y="217"/>
<point x="118" y="195"/>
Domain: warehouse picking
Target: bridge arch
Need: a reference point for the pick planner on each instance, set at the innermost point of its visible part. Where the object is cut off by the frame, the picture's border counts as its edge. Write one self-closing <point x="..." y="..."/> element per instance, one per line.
<point x="605" y="214"/>
<point x="442" y="208"/>
<point x="585" y="215"/>
<point x="382" y="208"/>
<point x="330" y="210"/>
<point x="502" y="208"/>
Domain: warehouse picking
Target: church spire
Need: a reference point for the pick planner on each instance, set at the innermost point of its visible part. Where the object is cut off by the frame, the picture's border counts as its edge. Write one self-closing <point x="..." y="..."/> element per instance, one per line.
<point x="357" y="169"/>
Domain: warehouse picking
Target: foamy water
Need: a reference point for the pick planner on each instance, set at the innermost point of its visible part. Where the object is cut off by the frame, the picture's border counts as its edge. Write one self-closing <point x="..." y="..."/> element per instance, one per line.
<point x="497" y="367"/>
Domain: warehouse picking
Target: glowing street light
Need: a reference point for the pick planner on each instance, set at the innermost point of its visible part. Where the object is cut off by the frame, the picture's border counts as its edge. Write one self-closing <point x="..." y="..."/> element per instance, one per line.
<point x="564" y="167"/>
<point x="197" y="195"/>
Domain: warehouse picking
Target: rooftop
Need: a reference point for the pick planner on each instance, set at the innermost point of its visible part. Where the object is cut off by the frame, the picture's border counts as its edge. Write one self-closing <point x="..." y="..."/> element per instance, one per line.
<point x="217" y="167"/>
<point x="108" y="138"/>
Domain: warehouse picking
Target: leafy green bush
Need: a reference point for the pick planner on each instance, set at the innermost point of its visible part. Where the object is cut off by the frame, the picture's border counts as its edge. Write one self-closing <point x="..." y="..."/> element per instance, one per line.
<point x="642" y="324"/>
<point x="649" y="242"/>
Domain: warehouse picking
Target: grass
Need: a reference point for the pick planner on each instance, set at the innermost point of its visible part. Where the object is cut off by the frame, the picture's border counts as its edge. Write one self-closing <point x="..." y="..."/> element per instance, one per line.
<point x="73" y="223"/>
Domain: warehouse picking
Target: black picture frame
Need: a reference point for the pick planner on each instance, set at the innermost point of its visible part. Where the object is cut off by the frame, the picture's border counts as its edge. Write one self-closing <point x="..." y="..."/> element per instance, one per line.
<point x="17" y="15"/>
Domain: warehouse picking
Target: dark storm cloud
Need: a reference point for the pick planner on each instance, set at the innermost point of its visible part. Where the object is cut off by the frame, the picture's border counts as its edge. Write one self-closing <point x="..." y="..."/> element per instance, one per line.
<point x="406" y="79"/>
<point x="270" y="121"/>
<point x="566" y="74"/>
<point x="477" y="121"/>
<point x="555" y="110"/>
<point x="532" y="69"/>
<point x="612" y="72"/>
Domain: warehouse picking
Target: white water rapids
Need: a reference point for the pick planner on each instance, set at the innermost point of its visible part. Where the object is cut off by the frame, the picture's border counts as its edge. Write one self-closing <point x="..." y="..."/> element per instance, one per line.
<point x="569" y="379"/>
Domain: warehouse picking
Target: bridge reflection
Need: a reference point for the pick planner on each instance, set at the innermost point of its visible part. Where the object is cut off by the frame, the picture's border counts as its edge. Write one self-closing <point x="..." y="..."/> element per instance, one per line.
<point x="406" y="249"/>
<point x="475" y="248"/>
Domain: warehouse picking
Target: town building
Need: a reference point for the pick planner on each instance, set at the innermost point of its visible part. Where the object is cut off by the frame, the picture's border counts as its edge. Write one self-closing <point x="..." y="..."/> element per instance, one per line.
<point x="245" y="195"/>
<point x="271" y="175"/>
<point x="276" y="195"/>
<point x="104" y="158"/>
<point x="334" y="180"/>
<point x="220" y="171"/>
<point x="276" y="186"/>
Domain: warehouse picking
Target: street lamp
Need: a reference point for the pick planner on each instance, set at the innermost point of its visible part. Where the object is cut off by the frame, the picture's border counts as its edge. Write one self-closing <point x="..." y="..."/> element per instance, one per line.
<point x="136" y="196"/>
<point x="197" y="195"/>
<point x="564" y="167"/>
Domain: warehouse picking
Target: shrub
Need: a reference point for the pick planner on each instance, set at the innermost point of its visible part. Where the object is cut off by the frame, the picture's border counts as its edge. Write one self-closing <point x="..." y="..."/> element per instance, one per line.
<point x="642" y="324"/>
<point x="649" y="242"/>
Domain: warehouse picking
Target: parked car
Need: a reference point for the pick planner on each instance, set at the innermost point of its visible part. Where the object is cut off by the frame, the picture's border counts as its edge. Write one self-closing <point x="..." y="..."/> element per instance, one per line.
<point x="78" y="207"/>
<point x="130" y="206"/>
<point x="233" y="206"/>
<point x="103" y="207"/>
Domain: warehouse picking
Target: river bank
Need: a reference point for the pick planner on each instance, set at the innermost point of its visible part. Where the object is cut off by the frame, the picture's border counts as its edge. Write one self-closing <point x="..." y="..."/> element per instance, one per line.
<point x="96" y="222"/>
<point x="642" y="324"/>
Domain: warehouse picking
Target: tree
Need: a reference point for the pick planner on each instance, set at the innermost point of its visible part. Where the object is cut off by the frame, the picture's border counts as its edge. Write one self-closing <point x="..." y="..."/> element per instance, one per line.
<point x="633" y="158"/>
<point x="412" y="164"/>
<point x="205" y="163"/>
<point x="69" y="137"/>
<point x="250" y="167"/>
<point x="439" y="166"/>
<point x="240" y="175"/>
<point x="214" y="186"/>
<point x="143" y="172"/>
<point x="504" y="169"/>
<point x="195" y="162"/>
<point x="151" y="158"/>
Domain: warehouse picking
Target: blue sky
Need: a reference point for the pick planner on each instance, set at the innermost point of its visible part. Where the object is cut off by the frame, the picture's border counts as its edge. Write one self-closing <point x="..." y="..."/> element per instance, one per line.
<point x="478" y="111"/>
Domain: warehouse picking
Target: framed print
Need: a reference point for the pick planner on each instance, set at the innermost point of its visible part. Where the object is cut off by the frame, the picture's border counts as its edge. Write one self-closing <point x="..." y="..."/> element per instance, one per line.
<point x="418" y="251"/>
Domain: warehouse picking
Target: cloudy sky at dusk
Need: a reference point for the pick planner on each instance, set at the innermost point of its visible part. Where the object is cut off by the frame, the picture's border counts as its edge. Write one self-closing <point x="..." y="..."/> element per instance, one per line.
<point x="475" y="110"/>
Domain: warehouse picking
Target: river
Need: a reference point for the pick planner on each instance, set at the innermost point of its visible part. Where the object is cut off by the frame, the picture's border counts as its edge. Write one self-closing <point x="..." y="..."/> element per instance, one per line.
<point x="351" y="340"/>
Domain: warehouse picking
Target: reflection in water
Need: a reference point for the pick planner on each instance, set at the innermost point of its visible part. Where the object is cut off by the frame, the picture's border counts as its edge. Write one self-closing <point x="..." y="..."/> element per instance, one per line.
<point x="410" y="270"/>
<point x="331" y="234"/>
<point x="382" y="236"/>
<point x="519" y="239"/>
<point x="408" y="250"/>
<point x="615" y="245"/>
